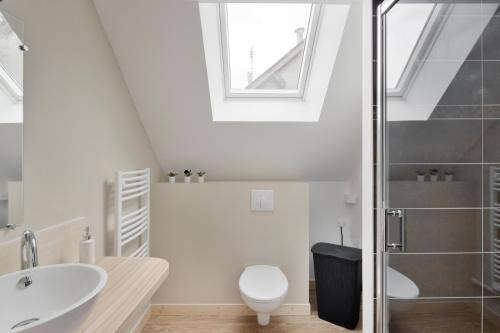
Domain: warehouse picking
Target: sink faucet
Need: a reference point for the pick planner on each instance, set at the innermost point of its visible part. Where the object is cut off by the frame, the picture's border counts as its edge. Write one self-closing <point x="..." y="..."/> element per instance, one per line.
<point x="29" y="256"/>
<point x="29" y="253"/>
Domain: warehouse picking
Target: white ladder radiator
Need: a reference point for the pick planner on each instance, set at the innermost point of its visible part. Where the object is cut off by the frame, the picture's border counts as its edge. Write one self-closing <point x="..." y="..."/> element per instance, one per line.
<point x="495" y="226"/>
<point x="132" y="216"/>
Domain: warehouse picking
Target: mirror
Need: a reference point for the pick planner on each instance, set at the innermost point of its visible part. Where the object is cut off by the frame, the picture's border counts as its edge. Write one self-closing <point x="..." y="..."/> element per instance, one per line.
<point x="11" y="121"/>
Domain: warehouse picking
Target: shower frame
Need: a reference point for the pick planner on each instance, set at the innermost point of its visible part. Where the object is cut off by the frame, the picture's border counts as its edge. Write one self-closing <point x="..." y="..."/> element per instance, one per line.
<point x="381" y="312"/>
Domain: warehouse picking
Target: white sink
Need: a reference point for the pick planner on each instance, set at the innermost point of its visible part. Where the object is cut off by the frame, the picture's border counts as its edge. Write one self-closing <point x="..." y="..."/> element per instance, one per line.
<point x="56" y="301"/>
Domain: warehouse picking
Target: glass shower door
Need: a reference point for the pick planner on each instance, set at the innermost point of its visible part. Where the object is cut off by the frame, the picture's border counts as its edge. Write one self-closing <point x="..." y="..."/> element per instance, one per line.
<point x="438" y="167"/>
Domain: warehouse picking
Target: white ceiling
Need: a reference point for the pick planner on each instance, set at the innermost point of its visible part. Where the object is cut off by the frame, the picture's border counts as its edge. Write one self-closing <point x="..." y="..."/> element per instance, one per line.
<point x="158" y="45"/>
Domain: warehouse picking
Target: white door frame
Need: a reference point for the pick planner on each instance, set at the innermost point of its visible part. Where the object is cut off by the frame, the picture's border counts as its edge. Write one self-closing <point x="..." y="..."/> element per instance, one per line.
<point x="367" y="168"/>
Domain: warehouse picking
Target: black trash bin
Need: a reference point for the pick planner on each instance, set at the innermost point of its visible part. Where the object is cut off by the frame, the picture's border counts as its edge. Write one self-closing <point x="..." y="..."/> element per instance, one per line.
<point x="337" y="270"/>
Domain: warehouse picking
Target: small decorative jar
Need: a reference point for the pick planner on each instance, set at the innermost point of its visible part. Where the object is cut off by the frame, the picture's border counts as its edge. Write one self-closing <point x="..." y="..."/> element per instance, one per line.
<point x="201" y="176"/>
<point x="434" y="175"/>
<point x="187" y="176"/>
<point x="420" y="176"/>
<point x="171" y="176"/>
<point x="448" y="176"/>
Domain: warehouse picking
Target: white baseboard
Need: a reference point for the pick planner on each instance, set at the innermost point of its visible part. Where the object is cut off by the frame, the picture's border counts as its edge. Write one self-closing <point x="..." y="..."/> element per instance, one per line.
<point x="225" y="309"/>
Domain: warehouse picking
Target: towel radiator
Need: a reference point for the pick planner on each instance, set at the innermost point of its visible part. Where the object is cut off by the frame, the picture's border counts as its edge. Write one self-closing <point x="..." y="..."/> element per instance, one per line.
<point x="495" y="226"/>
<point x="132" y="217"/>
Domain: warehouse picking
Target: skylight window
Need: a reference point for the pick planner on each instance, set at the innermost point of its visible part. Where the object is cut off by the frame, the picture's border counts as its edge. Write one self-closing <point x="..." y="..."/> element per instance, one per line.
<point x="266" y="48"/>
<point x="405" y="42"/>
<point x="249" y="47"/>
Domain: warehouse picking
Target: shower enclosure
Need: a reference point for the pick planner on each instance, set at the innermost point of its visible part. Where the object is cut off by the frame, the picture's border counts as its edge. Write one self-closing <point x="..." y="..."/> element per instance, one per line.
<point x="437" y="206"/>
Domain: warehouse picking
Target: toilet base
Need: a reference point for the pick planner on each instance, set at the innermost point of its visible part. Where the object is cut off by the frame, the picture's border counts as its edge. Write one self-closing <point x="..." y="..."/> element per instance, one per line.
<point x="263" y="318"/>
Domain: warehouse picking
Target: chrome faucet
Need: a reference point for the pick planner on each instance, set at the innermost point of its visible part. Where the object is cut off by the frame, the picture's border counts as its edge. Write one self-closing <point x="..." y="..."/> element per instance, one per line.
<point x="29" y="256"/>
<point x="29" y="252"/>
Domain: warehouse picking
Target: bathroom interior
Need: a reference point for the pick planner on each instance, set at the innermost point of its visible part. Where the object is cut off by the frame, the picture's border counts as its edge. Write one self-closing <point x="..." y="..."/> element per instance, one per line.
<point x="249" y="166"/>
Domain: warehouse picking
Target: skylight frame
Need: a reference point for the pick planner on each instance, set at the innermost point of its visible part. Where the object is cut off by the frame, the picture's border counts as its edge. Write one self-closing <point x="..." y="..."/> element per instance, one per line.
<point x="310" y="38"/>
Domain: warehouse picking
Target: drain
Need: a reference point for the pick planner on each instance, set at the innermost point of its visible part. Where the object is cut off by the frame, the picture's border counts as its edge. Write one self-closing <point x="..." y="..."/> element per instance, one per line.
<point x="24" y="322"/>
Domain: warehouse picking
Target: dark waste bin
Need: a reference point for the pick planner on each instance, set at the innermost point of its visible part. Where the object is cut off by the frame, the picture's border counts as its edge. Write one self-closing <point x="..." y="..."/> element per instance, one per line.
<point x="337" y="270"/>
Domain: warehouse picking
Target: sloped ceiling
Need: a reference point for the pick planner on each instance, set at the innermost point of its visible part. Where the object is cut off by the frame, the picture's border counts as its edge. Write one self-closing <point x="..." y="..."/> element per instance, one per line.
<point x="158" y="45"/>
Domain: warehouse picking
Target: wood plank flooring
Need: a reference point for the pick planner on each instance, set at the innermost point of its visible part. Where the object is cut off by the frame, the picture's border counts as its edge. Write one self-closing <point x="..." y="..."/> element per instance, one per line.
<point x="241" y="324"/>
<point x="444" y="317"/>
<point x="425" y="317"/>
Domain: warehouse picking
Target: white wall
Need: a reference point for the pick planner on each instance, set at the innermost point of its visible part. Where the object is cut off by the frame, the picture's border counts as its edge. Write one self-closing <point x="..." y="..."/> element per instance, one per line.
<point x="208" y="234"/>
<point x="171" y="92"/>
<point x="327" y="209"/>
<point x="80" y="122"/>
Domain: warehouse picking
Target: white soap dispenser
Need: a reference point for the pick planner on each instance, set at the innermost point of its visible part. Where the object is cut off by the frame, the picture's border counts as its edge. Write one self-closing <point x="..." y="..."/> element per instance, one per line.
<point x="87" y="248"/>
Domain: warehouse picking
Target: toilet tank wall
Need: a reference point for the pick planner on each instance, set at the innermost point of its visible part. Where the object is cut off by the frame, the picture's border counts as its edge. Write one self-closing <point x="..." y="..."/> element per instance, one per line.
<point x="208" y="234"/>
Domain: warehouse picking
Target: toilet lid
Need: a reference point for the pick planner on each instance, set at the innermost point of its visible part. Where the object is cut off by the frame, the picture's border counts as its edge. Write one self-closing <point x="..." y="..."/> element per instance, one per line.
<point x="263" y="283"/>
<point x="400" y="286"/>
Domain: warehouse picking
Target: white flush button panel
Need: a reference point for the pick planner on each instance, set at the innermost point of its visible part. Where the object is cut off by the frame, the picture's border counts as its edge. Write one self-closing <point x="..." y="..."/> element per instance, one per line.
<point x="263" y="200"/>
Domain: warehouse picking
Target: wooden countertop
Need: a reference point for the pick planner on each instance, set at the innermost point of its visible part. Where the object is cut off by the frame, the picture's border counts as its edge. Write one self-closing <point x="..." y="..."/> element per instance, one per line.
<point x="131" y="283"/>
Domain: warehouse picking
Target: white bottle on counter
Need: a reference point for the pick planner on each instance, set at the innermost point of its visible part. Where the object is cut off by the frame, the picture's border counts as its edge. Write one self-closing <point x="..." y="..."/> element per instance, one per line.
<point x="87" y="248"/>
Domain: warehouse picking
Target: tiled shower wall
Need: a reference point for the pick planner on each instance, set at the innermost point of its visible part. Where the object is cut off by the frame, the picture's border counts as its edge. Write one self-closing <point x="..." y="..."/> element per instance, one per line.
<point x="449" y="254"/>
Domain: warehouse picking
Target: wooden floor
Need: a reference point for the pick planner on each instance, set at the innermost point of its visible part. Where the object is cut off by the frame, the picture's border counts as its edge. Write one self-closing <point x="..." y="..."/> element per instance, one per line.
<point x="241" y="324"/>
<point x="453" y="317"/>
<point x="423" y="317"/>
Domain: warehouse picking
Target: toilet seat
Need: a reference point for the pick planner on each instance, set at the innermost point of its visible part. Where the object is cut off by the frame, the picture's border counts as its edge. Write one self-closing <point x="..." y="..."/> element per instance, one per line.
<point x="263" y="283"/>
<point x="400" y="286"/>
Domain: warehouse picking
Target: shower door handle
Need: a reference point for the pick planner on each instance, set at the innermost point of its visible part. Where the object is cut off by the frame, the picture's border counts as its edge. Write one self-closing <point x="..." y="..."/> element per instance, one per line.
<point x="401" y="215"/>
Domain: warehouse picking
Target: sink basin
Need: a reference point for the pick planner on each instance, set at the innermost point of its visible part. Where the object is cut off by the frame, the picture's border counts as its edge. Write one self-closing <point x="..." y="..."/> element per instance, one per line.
<point x="56" y="301"/>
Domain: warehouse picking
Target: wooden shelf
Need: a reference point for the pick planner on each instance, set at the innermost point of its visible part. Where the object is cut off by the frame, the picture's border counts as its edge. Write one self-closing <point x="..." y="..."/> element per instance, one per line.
<point x="131" y="284"/>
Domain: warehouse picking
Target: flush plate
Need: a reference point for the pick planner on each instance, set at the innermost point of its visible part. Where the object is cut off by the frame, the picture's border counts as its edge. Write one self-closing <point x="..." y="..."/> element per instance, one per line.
<point x="263" y="200"/>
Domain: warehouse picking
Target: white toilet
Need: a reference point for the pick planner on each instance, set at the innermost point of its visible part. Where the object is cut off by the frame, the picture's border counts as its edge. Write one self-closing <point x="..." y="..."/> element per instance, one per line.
<point x="263" y="289"/>
<point x="400" y="287"/>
